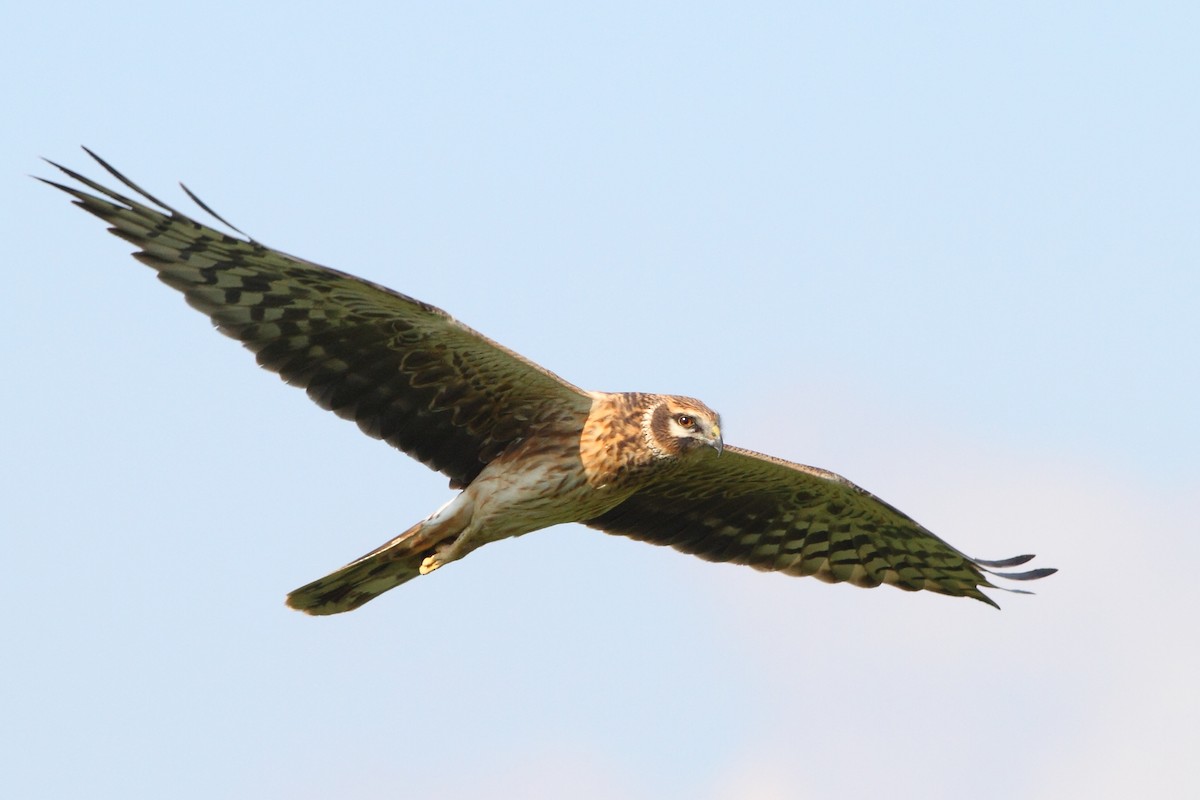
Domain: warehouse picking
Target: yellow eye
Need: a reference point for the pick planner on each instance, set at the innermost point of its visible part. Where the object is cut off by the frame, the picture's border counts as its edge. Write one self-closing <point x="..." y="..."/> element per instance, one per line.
<point x="685" y="421"/>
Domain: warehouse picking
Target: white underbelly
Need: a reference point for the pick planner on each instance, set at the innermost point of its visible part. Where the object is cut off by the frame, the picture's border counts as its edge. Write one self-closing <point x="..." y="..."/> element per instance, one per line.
<point x="509" y="502"/>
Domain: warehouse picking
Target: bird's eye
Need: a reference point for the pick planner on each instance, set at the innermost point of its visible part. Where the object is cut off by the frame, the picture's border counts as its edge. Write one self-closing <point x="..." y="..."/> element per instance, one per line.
<point x="685" y="421"/>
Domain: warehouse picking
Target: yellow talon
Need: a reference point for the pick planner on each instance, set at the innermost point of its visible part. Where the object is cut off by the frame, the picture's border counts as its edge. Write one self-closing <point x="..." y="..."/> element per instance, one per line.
<point x="429" y="565"/>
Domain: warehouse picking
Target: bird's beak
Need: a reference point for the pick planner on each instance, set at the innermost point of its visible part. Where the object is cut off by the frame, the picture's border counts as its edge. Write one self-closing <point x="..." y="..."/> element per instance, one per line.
<point x="717" y="442"/>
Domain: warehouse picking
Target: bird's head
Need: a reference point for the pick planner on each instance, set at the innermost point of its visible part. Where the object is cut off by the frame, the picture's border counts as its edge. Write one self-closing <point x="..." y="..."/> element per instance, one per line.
<point x="678" y="425"/>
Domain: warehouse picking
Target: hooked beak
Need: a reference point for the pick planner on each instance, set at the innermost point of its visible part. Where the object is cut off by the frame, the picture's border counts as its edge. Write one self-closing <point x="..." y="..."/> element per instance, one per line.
<point x="716" y="441"/>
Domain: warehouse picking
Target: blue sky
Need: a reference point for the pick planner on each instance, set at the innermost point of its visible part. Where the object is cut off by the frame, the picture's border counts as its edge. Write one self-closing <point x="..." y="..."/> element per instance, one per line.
<point x="947" y="250"/>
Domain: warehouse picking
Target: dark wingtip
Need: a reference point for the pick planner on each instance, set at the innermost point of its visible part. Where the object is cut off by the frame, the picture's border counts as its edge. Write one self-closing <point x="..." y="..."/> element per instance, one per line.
<point x="70" y="173"/>
<point x="54" y="164"/>
<point x="111" y="170"/>
<point x="47" y="181"/>
<point x="985" y="599"/>
<point x="1015" y="561"/>
<point x="1031" y="575"/>
<point x="214" y="214"/>
<point x="992" y="568"/>
<point x="108" y="167"/>
<point x="131" y="185"/>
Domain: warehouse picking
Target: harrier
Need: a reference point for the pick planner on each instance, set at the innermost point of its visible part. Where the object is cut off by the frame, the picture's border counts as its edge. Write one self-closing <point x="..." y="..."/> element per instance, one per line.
<point x="527" y="449"/>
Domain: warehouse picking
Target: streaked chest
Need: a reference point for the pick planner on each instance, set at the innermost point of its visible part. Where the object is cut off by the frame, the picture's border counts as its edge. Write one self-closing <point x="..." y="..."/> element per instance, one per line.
<point x="612" y="447"/>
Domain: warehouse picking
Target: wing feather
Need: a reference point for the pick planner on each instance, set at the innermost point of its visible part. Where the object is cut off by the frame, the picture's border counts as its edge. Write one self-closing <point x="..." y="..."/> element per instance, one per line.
<point x="773" y="515"/>
<point x="404" y="371"/>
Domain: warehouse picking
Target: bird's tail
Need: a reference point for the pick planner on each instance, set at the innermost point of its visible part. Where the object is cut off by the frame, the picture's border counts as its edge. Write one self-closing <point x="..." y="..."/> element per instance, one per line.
<point x="364" y="579"/>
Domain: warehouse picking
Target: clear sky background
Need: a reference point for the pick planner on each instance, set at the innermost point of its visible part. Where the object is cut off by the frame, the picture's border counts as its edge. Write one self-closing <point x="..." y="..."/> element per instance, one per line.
<point x="948" y="250"/>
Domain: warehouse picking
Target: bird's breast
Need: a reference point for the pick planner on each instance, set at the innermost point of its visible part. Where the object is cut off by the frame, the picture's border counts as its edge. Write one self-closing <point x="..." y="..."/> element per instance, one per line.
<point x="612" y="447"/>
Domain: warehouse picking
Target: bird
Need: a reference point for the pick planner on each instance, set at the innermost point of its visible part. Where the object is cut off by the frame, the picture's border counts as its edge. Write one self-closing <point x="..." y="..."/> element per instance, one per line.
<point x="525" y="449"/>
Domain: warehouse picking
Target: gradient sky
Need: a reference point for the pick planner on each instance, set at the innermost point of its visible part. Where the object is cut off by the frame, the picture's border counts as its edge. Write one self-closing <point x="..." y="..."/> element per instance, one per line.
<point x="948" y="250"/>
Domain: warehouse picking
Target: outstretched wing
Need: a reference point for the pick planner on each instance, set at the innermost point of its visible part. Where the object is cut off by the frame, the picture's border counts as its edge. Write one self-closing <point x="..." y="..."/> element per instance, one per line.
<point x="406" y="372"/>
<point x="778" y="516"/>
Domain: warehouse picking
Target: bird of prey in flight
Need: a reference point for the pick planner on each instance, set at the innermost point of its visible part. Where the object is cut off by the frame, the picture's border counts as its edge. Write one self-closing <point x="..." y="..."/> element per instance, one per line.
<point x="527" y="449"/>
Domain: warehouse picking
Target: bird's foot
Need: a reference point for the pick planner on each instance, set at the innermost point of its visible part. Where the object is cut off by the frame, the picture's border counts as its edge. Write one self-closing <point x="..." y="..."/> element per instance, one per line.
<point x="429" y="565"/>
